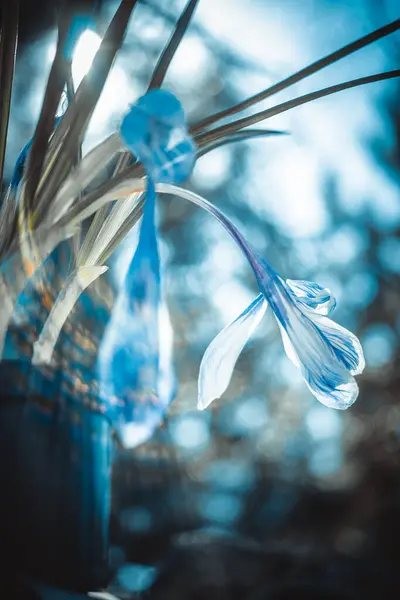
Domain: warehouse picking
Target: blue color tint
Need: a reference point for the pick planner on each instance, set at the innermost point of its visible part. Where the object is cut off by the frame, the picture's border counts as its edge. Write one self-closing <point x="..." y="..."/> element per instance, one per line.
<point x="78" y="26"/>
<point x="389" y="254"/>
<point x="21" y="161"/>
<point x="313" y="296"/>
<point x="250" y="415"/>
<point x="379" y="342"/>
<point x="327" y="354"/>
<point x="20" y="165"/>
<point x="190" y="432"/>
<point x="361" y="289"/>
<point x="230" y="475"/>
<point x="323" y="424"/>
<point x="134" y="362"/>
<point x="136" y="578"/>
<point x="220" y="508"/>
<point x="326" y="459"/>
<point x="136" y="519"/>
<point x="155" y="131"/>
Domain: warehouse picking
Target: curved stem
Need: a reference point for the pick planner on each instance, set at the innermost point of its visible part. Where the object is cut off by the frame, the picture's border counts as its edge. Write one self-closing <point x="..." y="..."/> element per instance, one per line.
<point x="78" y="281"/>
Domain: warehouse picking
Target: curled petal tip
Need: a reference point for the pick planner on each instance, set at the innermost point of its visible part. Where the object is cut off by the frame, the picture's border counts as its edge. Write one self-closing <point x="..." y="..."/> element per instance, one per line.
<point x="340" y="398"/>
<point x="312" y="296"/>
<point x="327" y="354"/>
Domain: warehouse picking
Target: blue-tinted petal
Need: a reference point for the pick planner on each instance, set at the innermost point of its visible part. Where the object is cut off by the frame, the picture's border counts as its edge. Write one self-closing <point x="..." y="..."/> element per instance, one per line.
<point x="288" y="346"/>
<point x="135" y="362"/>
<point x="221" y="355"/>
<point x="307" y="338"/>
<point x="178" y="160"/>
<point x="155" y="131"/>
<point x="135" y="413"/>
<point x="346" y="345"/>
<point x="20" y="165"/>
<point x="128" y="360"/>
<point x="327" y="362"/>
<point x="162" y="106"/>
<point x="313" y="296"/>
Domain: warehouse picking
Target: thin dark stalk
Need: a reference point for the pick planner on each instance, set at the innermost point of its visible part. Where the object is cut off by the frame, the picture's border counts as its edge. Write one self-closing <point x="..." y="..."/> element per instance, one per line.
<point x="136" y="171"/>
<point x="55" y="86"/>
<point x="164" y="63"/>
<point x="74" y="123"/>
<point x="240" y="136"/>
<point x="302" y="74"/>
<point x="215" y="134"/>
<point x="172" y="46"/>
<point x="203" y="141"/>
<point x="8" y="49"/>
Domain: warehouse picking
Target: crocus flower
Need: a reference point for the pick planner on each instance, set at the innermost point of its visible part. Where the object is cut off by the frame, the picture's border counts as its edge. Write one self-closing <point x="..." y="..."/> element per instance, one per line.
<point x="327" y="354"/>
<point x="134" y="363"/>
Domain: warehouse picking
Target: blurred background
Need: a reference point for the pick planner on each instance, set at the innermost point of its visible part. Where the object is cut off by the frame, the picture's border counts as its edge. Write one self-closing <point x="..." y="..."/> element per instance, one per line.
<point x="266" y="494"/>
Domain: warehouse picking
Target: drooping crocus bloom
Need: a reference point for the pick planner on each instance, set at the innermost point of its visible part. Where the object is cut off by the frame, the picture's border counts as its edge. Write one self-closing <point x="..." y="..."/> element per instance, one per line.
<point x="135" y="370"/>
<point x="327" y="354"/>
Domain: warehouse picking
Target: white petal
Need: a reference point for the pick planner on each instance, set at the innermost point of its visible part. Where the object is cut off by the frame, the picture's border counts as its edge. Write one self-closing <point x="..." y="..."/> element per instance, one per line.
<point x="347" y="346"/>
<point x="308" y="342"/>
<point x="313" y="296"/>
<point x="288" y="346"/>
<point x="340" y="397"/>
<point x="221" y="355"/>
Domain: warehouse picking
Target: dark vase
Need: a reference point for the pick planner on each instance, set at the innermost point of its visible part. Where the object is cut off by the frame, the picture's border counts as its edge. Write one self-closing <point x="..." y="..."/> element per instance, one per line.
<point x="55" y="473"/>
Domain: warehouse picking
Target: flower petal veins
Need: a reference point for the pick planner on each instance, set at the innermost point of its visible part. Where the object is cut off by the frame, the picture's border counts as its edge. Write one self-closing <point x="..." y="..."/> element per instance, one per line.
<point x="313" y="296"/>
<point x="327" y="354"/>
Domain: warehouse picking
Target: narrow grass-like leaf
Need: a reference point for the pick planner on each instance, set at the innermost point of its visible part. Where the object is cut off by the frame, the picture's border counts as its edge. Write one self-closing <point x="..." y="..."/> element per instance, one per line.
<point x="108" y="231"/>
<point x="302" y="74"/>
<point x="172" y="46"/>
<point x="76" y="240"/>
<point x="164" y="62"/>
<point x="8" y="48"/>
<point x="43" y="348"/>
<point x="8" y="221"/>
<point x="102" y="214"/>
<point x="55" y="86"/>
<point x="123" y="231"/>
<point x="211" y="136"/>
<point x="82" y="176"/>
<point x="74" y="123"/>
<point x="113" y="188"/>
<point x="240" y="136"/>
